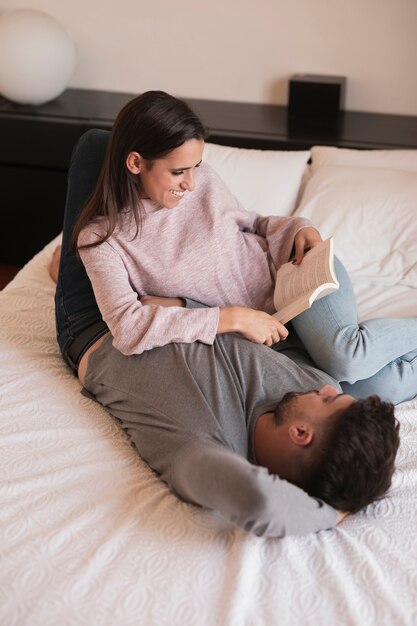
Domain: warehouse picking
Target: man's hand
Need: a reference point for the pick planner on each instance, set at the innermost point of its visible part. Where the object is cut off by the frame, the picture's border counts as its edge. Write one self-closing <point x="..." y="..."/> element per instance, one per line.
<point x="161" y="301"/>
<point x="305" y="239"/>
<point x="256" y="326"/>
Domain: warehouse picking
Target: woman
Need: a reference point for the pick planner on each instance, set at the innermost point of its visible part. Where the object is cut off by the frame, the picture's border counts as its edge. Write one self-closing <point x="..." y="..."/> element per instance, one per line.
<point x="161" y="229"/>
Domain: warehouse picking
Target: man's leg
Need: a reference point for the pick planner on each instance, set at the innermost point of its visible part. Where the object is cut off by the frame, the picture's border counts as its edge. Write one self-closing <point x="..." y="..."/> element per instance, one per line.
<point x="75" y="304"/>
<point x="348" y="350"/>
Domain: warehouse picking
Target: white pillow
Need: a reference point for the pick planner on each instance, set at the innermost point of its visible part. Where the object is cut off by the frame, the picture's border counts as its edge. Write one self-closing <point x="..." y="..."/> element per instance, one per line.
<point x="266" y="181"/>
<point x="405" y="160"/>
<point x="372" y="214"/>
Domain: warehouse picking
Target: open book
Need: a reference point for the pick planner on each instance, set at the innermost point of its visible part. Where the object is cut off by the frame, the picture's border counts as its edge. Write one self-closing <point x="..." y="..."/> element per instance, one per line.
<point x="298" y="286"/>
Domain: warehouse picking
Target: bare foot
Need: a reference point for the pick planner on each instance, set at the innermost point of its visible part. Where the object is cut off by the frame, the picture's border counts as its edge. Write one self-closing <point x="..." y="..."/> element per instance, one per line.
<point x="54" y="265"/>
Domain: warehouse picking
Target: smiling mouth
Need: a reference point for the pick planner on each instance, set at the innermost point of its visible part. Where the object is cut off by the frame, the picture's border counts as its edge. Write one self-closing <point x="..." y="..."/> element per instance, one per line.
<point x="177" y="194"/>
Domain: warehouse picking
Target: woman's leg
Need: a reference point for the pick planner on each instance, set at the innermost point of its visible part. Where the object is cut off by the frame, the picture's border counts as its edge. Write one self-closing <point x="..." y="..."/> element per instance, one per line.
<point x="346" y="349"/>
<point x="396" y="382"/>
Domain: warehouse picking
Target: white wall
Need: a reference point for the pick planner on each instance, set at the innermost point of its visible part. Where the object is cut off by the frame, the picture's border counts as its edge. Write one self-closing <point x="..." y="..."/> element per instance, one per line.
<point x="243" y="50"/>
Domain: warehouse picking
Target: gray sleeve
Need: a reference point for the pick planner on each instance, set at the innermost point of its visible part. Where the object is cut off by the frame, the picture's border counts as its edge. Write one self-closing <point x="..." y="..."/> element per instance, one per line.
<point x="194" y="304"/>
<point x="212" y="476"/>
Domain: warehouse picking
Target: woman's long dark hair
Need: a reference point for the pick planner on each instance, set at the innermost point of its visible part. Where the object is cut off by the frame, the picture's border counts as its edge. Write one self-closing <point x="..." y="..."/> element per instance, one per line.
<point x="151" y="124"/>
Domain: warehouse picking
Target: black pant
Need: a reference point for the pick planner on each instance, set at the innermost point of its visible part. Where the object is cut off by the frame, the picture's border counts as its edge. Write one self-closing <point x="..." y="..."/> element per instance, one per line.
<point x="78" y="319"/>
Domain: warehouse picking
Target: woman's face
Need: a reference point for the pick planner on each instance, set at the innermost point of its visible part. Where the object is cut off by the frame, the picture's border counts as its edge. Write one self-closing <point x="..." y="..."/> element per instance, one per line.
<point x="168" y="179"/>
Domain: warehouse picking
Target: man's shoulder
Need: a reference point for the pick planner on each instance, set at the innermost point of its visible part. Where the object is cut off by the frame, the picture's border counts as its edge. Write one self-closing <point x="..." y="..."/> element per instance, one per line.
<point x="243" y="349"/>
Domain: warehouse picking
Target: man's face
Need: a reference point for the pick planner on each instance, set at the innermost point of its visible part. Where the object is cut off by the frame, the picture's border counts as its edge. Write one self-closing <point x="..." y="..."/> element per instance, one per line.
<point x="317" y="405"/>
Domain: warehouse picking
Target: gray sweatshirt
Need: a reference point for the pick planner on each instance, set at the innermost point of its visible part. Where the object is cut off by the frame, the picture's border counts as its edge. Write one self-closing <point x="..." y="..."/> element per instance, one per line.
<point x="191" y="409"/>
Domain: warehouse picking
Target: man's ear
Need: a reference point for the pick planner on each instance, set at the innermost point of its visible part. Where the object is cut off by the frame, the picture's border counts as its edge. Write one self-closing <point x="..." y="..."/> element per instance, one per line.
<point x="134" y="162"/>
<point x="301" y="433"/>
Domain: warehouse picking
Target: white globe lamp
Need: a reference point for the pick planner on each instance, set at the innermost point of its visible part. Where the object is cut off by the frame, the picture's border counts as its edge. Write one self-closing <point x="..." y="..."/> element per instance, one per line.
<point x="37" y="57"/>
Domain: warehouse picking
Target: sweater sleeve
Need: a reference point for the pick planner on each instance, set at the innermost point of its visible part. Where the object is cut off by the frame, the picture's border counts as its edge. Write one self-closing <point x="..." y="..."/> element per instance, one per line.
<point x="212" y="476"/>
<point x="136" y="327"/>
<point x="279" y="233"/>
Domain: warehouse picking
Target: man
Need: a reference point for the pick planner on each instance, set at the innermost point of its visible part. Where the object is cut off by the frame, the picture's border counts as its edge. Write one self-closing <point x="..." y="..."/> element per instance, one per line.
<point x="231" y="428"/>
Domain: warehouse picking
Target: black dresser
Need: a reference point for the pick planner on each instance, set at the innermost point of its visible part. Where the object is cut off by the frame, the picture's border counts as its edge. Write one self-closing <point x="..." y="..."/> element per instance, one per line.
<point x="36" y="144"/>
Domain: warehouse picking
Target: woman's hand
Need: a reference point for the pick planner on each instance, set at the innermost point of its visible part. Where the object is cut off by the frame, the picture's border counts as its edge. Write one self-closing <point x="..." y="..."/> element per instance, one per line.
<point x="256" y="326"/>
<point x="162" y="301"/>
<point x="305" y="239"/>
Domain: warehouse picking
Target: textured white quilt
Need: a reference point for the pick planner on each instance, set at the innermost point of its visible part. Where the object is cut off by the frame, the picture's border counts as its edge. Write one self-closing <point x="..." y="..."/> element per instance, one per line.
<point x="90" y="536"/>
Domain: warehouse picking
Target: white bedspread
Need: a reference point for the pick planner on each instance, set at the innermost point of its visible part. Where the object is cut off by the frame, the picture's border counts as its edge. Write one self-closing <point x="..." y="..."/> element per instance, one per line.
<point x="90" y="536"/>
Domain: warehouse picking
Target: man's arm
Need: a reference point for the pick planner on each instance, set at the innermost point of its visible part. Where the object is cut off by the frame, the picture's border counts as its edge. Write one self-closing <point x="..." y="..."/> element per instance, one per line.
<point x="213" y="476"/>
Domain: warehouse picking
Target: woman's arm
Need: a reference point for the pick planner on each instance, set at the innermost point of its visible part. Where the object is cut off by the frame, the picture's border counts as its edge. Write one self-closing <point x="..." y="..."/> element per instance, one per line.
<point x="285" y="236"/>
<point x="136" y="327"/>
<point x="256" y="326"/>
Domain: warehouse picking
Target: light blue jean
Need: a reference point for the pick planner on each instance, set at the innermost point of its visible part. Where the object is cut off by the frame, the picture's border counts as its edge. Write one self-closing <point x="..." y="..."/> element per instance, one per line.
<point x="375" y="356"/>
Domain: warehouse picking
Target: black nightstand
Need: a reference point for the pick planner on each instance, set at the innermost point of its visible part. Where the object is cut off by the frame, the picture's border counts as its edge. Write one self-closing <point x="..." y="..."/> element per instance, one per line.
<point x="36" y="145"/>
<point x="35" y="150"/>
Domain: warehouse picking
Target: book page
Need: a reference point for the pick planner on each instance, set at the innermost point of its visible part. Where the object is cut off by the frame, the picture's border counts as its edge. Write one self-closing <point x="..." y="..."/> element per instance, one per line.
<point x="295" y="281"/>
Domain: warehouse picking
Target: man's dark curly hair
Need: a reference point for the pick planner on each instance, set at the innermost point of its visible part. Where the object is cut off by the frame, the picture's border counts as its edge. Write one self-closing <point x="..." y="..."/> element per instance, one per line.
<point x="355" y="461"/>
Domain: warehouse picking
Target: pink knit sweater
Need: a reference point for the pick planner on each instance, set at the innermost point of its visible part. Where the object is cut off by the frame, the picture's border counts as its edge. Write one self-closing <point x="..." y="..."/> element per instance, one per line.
<point x="208" y="248"/>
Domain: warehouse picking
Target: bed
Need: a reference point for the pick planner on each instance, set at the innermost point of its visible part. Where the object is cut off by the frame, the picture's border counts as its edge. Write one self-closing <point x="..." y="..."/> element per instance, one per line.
<point x="89" y="535"/>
